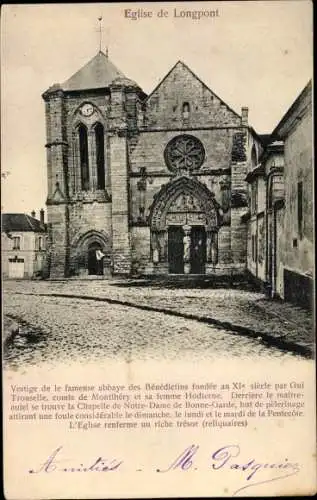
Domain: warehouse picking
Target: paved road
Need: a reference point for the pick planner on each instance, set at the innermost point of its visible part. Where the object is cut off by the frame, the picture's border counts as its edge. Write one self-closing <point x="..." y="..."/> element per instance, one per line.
<point x="63" y="329"/>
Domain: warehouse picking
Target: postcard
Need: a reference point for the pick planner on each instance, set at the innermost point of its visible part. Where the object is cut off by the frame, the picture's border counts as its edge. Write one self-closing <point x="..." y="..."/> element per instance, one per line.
<point x="158" y="250"/>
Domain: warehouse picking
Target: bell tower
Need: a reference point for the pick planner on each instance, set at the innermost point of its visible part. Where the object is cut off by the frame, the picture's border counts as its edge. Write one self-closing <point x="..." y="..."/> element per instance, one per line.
<point x="90" y="119"/>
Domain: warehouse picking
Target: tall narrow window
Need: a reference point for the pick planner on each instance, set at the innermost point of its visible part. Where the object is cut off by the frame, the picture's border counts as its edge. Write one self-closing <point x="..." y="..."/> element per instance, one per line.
<point x="254" y="248"/>
<point x="84" y="161"/>
<point x="300" y="208"/>
<point x="100" y="156"/>
<point x="16" y="243"/>
<point x="186" y="110"/>
<point x="254" y="157"/>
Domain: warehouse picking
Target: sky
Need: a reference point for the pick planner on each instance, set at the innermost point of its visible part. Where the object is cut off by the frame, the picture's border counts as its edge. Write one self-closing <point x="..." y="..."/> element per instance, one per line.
<point x="256" y="54"/>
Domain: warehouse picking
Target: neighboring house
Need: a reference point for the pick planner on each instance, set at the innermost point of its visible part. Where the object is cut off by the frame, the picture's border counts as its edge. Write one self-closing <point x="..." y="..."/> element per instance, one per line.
<point x="23" y="245"/>
<point x="145" y="185"/>
<point x="266" y="192"/>
<point x="281" y="221"/>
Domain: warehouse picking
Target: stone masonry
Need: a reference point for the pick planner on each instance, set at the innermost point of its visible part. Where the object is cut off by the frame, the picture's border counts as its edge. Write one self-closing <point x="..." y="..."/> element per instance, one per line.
<point x="116" y="156"/>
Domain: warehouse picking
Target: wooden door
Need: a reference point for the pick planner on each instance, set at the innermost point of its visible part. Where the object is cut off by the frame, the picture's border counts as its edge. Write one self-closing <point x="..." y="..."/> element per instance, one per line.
<point x="176" y="250"/>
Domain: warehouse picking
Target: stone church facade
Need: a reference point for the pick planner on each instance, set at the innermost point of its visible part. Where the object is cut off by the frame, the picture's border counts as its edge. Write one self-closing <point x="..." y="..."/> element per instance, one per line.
<point x="145" y="184"/>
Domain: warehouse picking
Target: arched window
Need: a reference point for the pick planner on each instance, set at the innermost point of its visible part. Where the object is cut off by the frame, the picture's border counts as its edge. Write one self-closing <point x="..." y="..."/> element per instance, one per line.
<point x="254" y="157"/>
<point x="84" y="159"/>
<point x="186" y="110"/>
<point x="100" y="156"/>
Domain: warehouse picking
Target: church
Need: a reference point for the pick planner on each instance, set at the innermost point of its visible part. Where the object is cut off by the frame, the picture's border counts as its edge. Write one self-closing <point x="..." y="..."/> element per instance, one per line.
<point x="145" y="185"/>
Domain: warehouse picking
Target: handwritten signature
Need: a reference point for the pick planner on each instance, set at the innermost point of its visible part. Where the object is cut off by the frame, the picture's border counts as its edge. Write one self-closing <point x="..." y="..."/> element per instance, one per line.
<point x="53" y="464"/>
<point x="223" y="458"/>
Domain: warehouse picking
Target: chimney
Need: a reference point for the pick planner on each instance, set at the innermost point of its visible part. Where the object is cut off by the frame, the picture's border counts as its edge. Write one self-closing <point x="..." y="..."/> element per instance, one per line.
<point x="42" y="216"/>
<point x="33" y="214"/>
<point x="244" y="116"/>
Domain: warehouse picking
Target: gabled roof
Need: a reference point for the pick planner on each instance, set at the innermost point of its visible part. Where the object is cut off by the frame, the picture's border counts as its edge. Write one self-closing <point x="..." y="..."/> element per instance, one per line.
<point x="293" y="112"/>
<point x="20" y="223"/>
<point x="258" y="171"/>
<point x="197" y="78"/>
<point x="265" y="139"/>
<point x="99" y="72"/>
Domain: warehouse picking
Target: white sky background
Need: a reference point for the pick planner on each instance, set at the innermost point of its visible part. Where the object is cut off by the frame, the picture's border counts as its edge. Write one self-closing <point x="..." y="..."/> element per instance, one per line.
<point x="255" y="54"/>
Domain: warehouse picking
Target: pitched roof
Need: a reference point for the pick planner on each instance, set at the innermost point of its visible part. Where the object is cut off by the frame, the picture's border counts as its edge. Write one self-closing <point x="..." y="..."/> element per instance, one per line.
<point x="294" y="112"/>
<point x="99" y="72"/>
<point x="20" y="223"/>
<point x="265" y="139"/>
<point x="181" y="63"/>
<point x="258" y="171"/>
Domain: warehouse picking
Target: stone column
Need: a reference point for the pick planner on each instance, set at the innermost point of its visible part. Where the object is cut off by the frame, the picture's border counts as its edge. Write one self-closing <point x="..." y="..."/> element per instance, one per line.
<point x="141" y="186"/>
<point x="187" y="241"/>
<point x="155" y="248"/>
<point x="214" y="248"/>
<point x="208" y="245"/>
<point x="162" y="245"/>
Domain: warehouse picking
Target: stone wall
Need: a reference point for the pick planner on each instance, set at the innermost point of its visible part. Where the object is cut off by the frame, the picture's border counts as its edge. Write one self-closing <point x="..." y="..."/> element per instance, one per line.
<point x="224" y="139"/>
<point x="57" y="217"/>
<point x="148" y="152"/>
<point x="299" y="248"/>
<point x="135" y="169"/>
<point x="141" y="250"/>
<point x="164" y="107"/>
<point x="280" y="242"/>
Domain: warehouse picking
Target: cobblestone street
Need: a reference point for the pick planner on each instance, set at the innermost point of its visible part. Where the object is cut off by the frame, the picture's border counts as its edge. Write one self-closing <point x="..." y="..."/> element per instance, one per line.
<point x="79" y="329"/>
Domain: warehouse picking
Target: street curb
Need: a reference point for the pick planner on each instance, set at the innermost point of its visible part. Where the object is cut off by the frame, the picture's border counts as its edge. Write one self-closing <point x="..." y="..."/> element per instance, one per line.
<point x="271" y="340"/>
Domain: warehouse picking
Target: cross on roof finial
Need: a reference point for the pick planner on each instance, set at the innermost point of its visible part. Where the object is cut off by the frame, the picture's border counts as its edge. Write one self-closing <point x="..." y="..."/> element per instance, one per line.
<point x="107" y="40"/>
<point x="100" y="32"/>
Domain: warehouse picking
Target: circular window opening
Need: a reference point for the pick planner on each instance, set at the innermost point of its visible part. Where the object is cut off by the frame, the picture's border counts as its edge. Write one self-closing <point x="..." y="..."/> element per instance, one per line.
<point x="184" y="153"/>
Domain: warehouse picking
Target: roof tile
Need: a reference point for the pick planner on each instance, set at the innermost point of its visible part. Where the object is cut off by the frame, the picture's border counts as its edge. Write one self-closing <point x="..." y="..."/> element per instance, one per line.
<point x="20" y="223"/>
<point x="99" y="72"/>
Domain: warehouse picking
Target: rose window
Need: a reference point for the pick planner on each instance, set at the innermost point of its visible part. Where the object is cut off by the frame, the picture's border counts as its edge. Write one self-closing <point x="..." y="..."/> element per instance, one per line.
<point x="184" y="153"/>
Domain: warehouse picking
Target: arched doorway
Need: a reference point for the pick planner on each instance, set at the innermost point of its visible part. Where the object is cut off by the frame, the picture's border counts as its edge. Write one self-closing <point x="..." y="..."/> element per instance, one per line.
<point x="187" y="249"/>
<point x="184" y="222"/>
<point x="95" y="259"/>
<point x="91" y="254"/>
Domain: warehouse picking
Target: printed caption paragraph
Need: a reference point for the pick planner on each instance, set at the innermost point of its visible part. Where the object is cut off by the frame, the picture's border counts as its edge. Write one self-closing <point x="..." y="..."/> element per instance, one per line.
<point x="155" y="405"/>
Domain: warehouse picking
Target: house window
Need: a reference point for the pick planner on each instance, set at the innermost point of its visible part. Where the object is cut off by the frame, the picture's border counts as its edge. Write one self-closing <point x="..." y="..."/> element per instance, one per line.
<point x="16" y="259"/>
<point x="300" y="208"/>
<point x="186" y="110"/>
<point x="254" y="249"/>
<point x="100" y="155"/>
<point x="16" y="243"/>
<point x="84" y="160"/>
<point x="41" y="244"/>
<point x="270" y="194"/>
